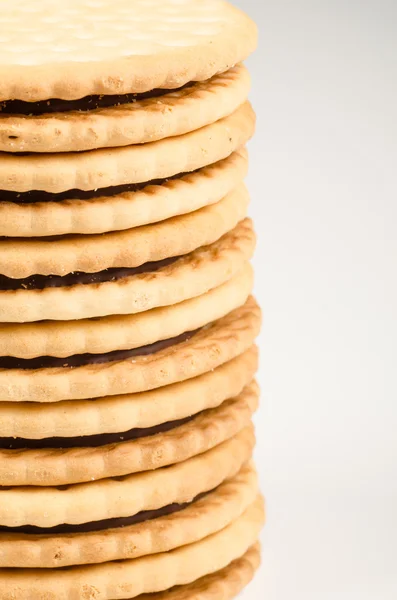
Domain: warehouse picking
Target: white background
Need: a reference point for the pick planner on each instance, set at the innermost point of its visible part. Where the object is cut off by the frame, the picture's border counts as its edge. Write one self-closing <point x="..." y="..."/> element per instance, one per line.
<point x="324" y="201"/>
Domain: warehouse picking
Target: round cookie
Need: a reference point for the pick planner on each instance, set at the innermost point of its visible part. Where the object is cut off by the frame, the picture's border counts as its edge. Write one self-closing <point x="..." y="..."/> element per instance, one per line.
<point x="205" y="516"/>
<point x="112" y="414"/>
<point x="188" y="276"/>
<point x="127" y="496"/>
<point x="209" y="348"/>
<point x="91" y="47"/>
<point x="127" y="165"/>
<point x="43" y="214"/>
<point x="51" y="462"/>
<point x="63" y="339"/>
<point x="21" y="258"/>
<point x="128" y="120"/>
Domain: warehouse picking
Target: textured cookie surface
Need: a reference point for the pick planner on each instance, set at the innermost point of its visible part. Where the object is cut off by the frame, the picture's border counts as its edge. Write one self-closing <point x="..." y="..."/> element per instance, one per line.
<point x="211" y="347"/>
<point x="189" y="276"/>
<point x="203" y="517"/>
<point x="103" y="168"/>
<point x="128" y="579"/>
<point x="126" y="496"/>
<point x="21" y="258"/>
<point x="100" y="336"/>
<point x="122" y="210"/>
<point x="137" y="122"/>
<point x="93" y="47"/>
<point x="63" y="466"/>
<point x="37" y="421"/>
<point x="223" y="585"/>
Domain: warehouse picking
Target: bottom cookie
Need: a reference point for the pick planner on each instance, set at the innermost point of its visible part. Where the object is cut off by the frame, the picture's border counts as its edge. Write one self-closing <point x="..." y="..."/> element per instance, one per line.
<point x="223" y="585"/>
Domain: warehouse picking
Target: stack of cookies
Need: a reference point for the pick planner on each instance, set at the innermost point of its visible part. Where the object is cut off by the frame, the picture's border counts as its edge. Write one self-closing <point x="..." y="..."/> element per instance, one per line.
<point x="127" y="356"/>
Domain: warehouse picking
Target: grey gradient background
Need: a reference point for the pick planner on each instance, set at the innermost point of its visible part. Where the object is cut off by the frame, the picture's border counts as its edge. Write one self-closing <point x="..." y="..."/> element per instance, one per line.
<point x="324" y="200"/>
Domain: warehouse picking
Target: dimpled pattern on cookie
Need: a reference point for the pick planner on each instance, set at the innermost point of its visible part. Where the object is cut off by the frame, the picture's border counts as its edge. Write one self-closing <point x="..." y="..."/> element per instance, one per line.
<point x="143" y="28"/>
<point x="134" y="45"/>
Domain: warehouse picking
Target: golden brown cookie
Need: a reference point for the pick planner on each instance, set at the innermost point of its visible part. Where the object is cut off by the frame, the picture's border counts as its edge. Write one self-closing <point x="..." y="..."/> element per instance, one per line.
<point x="93" y="47"/>
<point x="52" y="214"/>
<point x="129" y="579"/>
<point x="76" y="461"/>
<point x="105" y="168"/>
<point x="20" y="258"/>
<point x="187" y="277"/>
<point x="100" y="336"/>
<point x="126" y="121"/>
<point x="112" y="414"/>
<point x="222" y="585"/>
<point x="209" y="348"/>
<point x="126" y="496"/>
<point x="205" y="516"/>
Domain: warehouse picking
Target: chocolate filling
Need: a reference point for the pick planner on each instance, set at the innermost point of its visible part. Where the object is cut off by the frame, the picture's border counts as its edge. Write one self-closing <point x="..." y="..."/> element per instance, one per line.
<point x="79" y="360"/>
<point x="34" y="196"/>
<point x="90" y="441"/>
<point x="41" y="282"/>
<point x="56" y="105"/>
<point x="147" y="515"/>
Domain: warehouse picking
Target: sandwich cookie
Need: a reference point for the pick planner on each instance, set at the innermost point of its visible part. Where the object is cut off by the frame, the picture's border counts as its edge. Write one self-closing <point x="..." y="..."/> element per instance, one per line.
<point x="64" y="461"/>
<point x="127" y="165"/>
<point x="67" y="339"/>
<point x="68" y="507"/>
<point x="40" y="214"/>
<point x="113" y="414"/>
<point x="120" y="120"/>
<point x="136" y="370"/>
<point x="127" y="290"/>
<point x="184" y="524"/>
<point x="22" y="258"/>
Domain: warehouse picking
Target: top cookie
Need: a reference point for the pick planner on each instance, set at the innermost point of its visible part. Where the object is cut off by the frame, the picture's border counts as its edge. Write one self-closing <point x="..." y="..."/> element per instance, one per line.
<point x="86" y="47"/>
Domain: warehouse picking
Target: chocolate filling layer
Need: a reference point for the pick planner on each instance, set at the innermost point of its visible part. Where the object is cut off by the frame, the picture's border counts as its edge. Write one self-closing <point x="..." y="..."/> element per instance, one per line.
<point x="147" y="515"/>
<point x="41" y="282"/>
<point x="79" y="360"/>
<point x="34" y="196"/>
<point x="55" y="105"/>
<point x="90" y="441"/>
